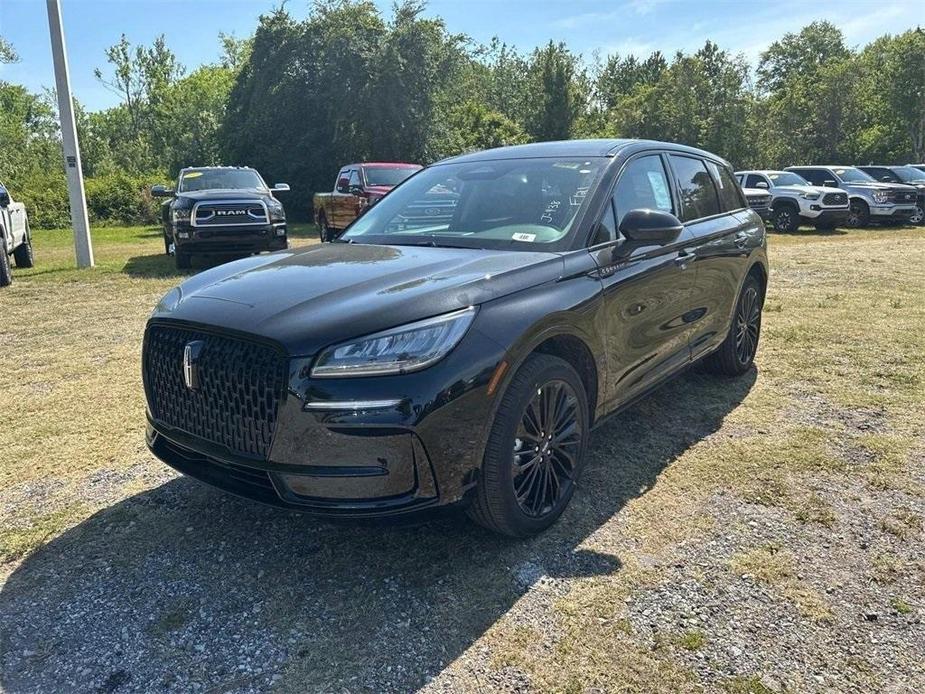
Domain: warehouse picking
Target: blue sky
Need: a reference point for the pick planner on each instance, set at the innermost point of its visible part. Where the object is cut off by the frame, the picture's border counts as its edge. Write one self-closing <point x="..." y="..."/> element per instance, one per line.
<point x="607" y="26"/>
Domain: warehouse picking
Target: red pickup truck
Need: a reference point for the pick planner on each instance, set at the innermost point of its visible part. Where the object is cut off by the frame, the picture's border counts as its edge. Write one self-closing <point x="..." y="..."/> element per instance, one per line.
<point x="357" y="187"/>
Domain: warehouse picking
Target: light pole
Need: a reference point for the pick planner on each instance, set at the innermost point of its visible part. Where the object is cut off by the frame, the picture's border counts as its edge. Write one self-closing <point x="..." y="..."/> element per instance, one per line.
<point x="72" y="168"/>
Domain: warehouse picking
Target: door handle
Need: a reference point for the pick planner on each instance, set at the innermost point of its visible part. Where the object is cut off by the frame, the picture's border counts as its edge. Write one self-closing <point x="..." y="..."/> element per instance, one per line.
<point x="684" y="258"/>
<point x="741" y="239"/>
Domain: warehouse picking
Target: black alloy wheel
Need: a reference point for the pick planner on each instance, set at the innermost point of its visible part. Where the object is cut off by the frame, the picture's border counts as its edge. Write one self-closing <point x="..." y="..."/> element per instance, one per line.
<point x="919" y="215"/>
<point x="535" y="450"/>
<point x="546" y="449"/>
<point x="786" y="219"/>
<point x="748" y="325"/>
<point x="858" y="215"/>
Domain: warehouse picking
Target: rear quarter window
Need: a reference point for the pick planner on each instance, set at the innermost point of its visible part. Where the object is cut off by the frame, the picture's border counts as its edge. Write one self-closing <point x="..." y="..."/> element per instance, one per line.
<point x="696" y="188"/>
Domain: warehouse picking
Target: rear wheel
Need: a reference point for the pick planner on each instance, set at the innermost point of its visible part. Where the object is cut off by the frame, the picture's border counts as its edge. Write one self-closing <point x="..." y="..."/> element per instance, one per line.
<point x="324" y="231"/>
<point x="859" y="214"/>
<point x="535" y="451"/>
<point x="786" y="218"/>
<point x="23" y="253"/>
<point x="737" y="352"/>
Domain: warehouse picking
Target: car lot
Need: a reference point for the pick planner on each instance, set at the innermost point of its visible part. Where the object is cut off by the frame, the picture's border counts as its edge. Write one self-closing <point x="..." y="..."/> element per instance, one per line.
<point x="772" y="538"/>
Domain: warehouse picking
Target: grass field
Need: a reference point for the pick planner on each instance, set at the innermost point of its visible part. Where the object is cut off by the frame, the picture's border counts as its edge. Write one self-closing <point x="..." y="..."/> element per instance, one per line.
<point x="756" y="535"/>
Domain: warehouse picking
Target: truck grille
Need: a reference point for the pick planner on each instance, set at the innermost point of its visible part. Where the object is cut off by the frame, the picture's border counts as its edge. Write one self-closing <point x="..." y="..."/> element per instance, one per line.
<point x="240" y="387"/>
<point x="902" y="196"/>
<point x="835" y="199"/>
<point x="759" y="201"/>
<point x="230" y="213"/>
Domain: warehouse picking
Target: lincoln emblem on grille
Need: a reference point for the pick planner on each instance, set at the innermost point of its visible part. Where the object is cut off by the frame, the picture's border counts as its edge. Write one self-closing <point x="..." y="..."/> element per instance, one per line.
<point x="191" y="363"/>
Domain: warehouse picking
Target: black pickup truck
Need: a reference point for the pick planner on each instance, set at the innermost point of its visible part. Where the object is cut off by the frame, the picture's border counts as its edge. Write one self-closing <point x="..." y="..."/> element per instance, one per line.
<point x="219" y="210"/>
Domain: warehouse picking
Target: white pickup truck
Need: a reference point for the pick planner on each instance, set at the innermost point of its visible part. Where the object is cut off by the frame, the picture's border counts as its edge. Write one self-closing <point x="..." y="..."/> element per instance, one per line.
<point x="15" y="239"/>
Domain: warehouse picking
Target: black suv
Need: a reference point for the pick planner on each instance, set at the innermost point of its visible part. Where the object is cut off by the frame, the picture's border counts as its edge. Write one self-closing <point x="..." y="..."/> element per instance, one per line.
<point x="221" y="210"/>
<point x="462" y="360"/>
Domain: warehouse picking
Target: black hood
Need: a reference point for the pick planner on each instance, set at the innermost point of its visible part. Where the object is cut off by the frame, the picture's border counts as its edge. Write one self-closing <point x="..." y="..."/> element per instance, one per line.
<point x="309" y="298"/>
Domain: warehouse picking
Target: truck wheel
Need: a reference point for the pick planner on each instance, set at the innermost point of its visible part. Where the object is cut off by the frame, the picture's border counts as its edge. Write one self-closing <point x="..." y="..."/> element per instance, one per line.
<point x="166" y="245"/>
<point x="322" y="228"/>
<point x="182" y="260"/>
<point x="918" y="216"/>
<point x="859" y="216"/>
<point x="23" y="254"/>
<point x="535" y="450"/>
<point x="786" y="218"/>
<point x="6" y="275"/>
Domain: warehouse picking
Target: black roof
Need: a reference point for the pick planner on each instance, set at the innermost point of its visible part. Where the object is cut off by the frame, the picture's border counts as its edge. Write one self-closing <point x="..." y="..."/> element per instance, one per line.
<point x="571" y="148"/>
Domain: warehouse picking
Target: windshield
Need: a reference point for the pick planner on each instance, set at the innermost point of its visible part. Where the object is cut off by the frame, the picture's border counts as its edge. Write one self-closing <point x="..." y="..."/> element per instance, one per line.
<point x="909" y="174"/>
<point x="220" y="179"/>
<point x="520" y="203"/>
<point x="387" y="176"/>
<point x="853" y="175"/>
<point x="786" y="178"/>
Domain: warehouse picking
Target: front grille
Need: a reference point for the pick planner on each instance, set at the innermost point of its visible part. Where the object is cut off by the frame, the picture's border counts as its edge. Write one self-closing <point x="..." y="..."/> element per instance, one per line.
<point x="835" y="199"/>
<point x="902" y="196"/>
<point x="229" y="213"/>
<point x="759" y="201"/>
<point x="240" y="387"/>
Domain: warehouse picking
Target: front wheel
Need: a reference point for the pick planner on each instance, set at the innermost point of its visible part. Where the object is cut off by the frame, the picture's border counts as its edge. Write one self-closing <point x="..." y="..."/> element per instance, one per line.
<point x="737" y="352"/>
<point x="786" y="219"/>
<point x="6" y="274"/>
<point x="859" y="214"/>
<point x="918" y="217"/>
<point x="535" y="451"/>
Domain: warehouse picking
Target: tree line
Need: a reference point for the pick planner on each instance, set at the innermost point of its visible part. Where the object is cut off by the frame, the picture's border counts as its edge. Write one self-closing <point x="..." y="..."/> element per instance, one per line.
<point x="299" y="98"/>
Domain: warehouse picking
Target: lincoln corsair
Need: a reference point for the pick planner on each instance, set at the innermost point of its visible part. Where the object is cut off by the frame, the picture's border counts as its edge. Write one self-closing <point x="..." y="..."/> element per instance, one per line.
<point x="463" y="357"/>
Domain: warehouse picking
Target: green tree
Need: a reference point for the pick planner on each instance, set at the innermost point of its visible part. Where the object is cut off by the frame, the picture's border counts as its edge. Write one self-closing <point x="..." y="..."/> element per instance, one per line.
<point x="7" y="52"/>
<point x="556" y="76"/>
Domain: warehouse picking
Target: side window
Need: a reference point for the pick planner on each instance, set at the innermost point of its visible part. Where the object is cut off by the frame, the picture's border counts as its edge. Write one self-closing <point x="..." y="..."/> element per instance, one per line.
<point x="753" y="180"/>
<point x="810" y="175"/>
<point x="696" y="188"/>
<point x="354" y="178"/>
<point x="607" y="228"/>
<point x="729" y="196"/>
<point x="644" y="185"/>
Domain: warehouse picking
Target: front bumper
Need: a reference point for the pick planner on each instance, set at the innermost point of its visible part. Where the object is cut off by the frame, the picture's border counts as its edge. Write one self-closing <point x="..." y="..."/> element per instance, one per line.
<point x="836" y="216"/>
<point x="898" y="212"/>
<point x="230" y="239"/>
<point x="417" y="444"/>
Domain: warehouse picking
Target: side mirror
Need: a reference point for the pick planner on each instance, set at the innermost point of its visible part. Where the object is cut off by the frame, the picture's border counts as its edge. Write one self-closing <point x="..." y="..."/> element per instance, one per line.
<point x="651" y="227"/>
<point x="160" y="191"/>
<point x="4" y="197"/>
<point x="343" y="185"/>
<point x="762" y="184"/>
<point x="356" y="190"/>
<point x="281" y="188"/>
<point x="886" y="179"/>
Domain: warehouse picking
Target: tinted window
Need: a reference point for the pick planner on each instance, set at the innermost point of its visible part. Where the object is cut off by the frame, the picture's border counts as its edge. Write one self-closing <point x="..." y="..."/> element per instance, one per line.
<point x="220" y="179"/>
<point x="643" y="185"/>
<point x="812" y="175"/>
<point x="387" y="176"/>
<point x="607" y="228"/>
<point x="753" y="180"/>
<point x="729" y="196"/>
<point x="695" y="185"/>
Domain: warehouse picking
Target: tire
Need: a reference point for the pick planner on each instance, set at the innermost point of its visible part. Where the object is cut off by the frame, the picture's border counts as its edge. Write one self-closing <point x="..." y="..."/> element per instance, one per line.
<point x="324" y="231"/>
<point x="23" y="254"/>
<point x="786" y="218"/>
<point x="859" y="216"/>
<point x="182" y="259"/>
<point x="6" y="274"/>
<point x="737" y="352"/>
<point x="497" y="506"/>
<point x="919" y="217"/>
<point x="166" y="245"/>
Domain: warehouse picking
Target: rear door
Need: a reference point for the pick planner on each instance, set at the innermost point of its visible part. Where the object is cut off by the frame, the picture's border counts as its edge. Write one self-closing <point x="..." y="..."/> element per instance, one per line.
<point x="716" y="213"/>
<point x="647" y="291"/>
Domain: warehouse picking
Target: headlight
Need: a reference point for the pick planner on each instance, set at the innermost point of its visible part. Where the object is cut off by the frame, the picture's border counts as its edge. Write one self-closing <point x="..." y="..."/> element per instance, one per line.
<point x="810" y="196"/>
<point x="275" y="207"/>
<point x="404" y="349"/>
<point x="881" y="196"/>
<point x="180" y="214"/>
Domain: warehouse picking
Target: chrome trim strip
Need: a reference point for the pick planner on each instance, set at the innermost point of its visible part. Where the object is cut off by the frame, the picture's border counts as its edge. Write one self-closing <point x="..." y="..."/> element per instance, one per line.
<point x="352" y="404"/>
<point x="249" y="203"/>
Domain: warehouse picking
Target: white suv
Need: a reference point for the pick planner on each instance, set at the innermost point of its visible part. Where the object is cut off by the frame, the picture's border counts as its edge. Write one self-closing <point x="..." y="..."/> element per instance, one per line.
<point x="794" y="200"/>
<point x="14" y="236"/>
